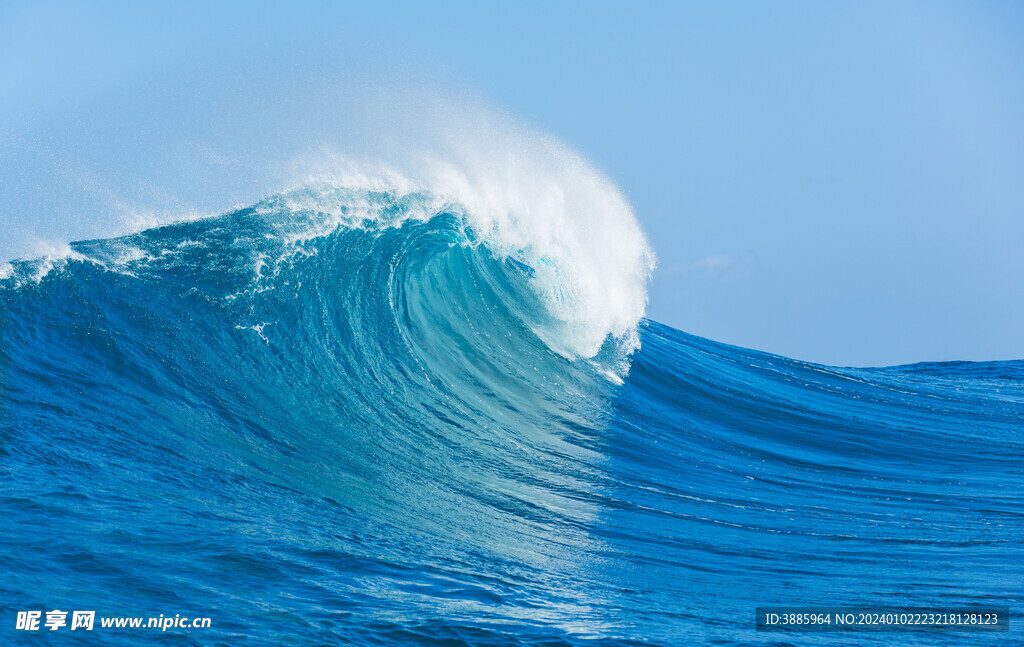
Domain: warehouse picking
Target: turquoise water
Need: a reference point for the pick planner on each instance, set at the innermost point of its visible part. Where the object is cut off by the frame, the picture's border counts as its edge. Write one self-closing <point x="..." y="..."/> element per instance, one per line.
<point x="372" y="425"/>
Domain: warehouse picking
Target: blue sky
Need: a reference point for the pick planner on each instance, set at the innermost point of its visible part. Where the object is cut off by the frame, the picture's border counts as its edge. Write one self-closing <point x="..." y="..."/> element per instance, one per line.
<point x="838" y="182"/>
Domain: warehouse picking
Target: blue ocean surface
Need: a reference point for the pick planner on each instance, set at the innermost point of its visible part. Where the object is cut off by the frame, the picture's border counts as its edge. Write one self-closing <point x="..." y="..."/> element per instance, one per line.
<point x="374" y="425"/>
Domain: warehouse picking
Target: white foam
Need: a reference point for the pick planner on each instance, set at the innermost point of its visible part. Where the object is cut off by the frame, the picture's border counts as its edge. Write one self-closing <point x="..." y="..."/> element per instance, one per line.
<point x="531" y="195"/>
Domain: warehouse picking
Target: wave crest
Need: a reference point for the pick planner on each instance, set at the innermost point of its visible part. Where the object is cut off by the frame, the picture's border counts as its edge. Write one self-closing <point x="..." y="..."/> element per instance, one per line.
<point x="430" y="259"/>
<point x="531" y="198"/>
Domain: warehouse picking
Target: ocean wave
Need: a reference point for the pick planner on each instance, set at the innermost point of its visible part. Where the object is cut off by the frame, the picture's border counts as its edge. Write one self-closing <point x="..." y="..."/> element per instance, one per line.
<point x="369" y="412"/>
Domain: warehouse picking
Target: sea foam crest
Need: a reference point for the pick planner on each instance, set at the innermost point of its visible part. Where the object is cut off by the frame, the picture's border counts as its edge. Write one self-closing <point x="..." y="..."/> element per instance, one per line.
<point x="529" y="196"/>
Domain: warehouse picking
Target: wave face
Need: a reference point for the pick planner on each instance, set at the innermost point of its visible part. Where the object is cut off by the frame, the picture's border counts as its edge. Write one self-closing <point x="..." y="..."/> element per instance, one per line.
<point x="374" y="416"/>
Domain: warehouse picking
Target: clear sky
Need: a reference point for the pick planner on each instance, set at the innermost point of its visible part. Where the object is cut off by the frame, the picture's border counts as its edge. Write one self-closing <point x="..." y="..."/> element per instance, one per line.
<point x="841" y="182"/>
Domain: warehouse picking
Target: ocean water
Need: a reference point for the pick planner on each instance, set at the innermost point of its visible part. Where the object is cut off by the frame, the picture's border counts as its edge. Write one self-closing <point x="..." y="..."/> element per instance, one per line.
<point x="375" y="416"/>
